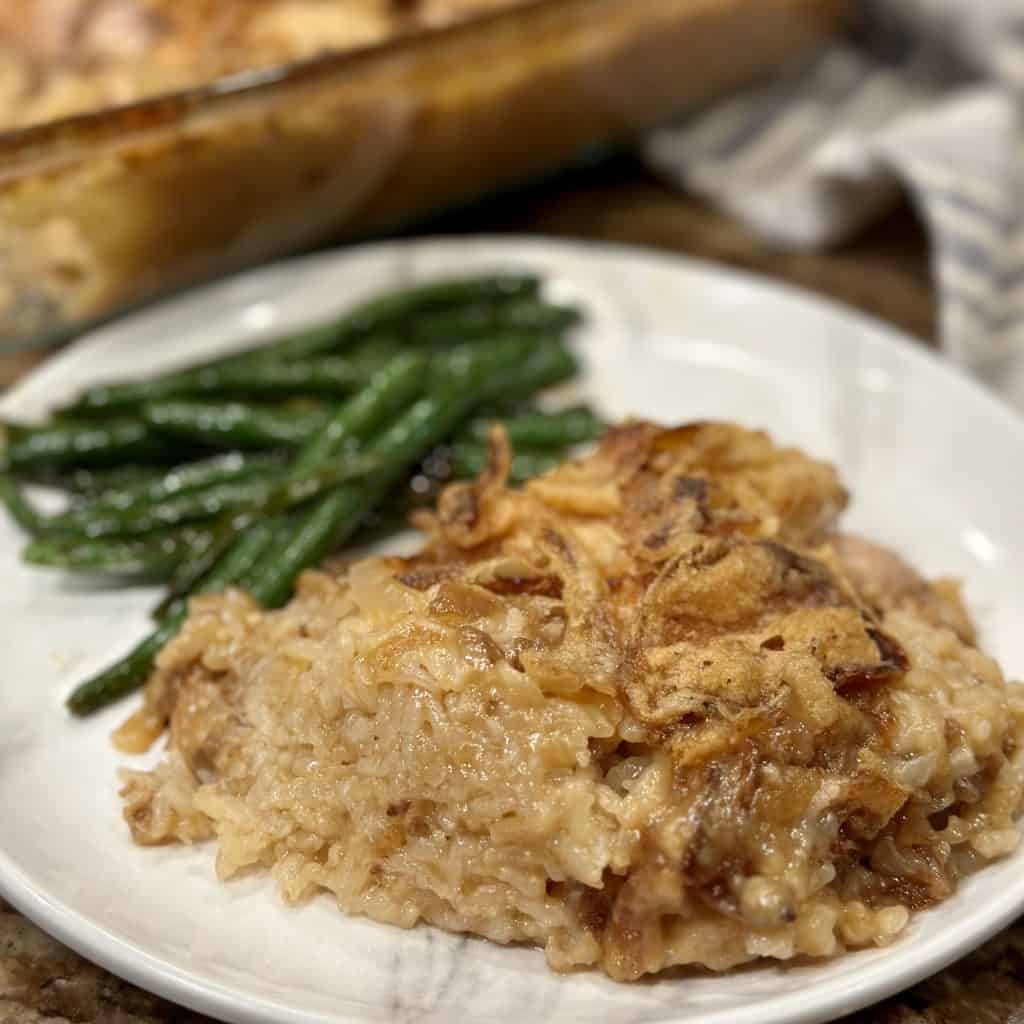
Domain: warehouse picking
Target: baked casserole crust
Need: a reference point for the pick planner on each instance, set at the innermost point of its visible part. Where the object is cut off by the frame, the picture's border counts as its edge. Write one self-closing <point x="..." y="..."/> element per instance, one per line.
<point x="650" y="710"/>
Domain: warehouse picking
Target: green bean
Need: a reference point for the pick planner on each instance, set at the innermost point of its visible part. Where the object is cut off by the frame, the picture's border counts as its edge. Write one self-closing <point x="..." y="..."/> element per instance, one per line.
<point x="396" y="307"/>
<point x="132" y="670"/>
<point x="463" y="381"/>
<point x="548" y="365"/>
<point x="205" y="503"/>
<point x="232" y="424"/>
<point x="187" y="575"/>
<point x="325" y="375"/>
<point x="329" y="375"/>
<point x="386" y="393"/>
<point x="460" y="381"/>
<point x="10" y="430"/>
<point x="435" y="333"/>
<point x="87" y="484"/>
<point x="153" y="557"/>
<point x="230" y="557"/>
<point x="127" y="674"/>
<point x="20" y="508"/>
<point x="245" y="551"/>
<point x="375" y="352"/>
<point x="177" y="597"/>
<point x="440" y="331"/>
<point x="266" y="494"/>
<point x="313" y="341"/>
<point x="335" y="516"/>
<point x="535" y="429"/>
<point x="379" y="315"/>
<point x="84" y="444"/>
<point x="241" y="425"/>
<point x="183" y="479"/>
<point x="364" y="413"/>
<point x="385" y="313"/>
<point x="480" y="322"/>
<point x="470" y="458"/>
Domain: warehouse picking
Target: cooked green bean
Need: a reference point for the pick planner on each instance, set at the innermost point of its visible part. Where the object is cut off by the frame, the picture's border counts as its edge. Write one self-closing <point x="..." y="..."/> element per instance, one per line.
<point x="85" y="444"/>
<point x="232" y="424"/>
<point x="131" y="671"/>
<point x="88" y="484"/>
<point x="437" y="332"/>
<point x="469" y="459"/>
<point x="242" y="425"/>
<point x="387" y="392"/>
<point x="183" y="479"/>
<point x="153" y="557"/>
<point x="549" y="364"/>
<point x="20" y="508"/>
<point x="244" y="551"/>
<point x="208" y="377"/>
<point x="469" y="323"/>
<point x="379" y="315"/>
<point x="388" y="312"/>
<point x="327" y="375"/>
<point x="470" y="378"/>
<point x="375" y="352"/>
<point x="335" y="516"/>
<point x="231" y="555"/>
<point x="126" y="674"/>
<point x="535" y="429"/>
<point x="314" y="341"/>
<point x="11" y="431"/>
<point x="459" y="382"/>
<point x="205" y="503"/>
<point x="260" y="494"/>
<point x="396" y="307"/>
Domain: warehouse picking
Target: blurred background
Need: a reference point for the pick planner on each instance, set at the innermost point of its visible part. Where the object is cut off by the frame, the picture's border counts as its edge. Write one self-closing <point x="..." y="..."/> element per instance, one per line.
<point x="868" y="150"/>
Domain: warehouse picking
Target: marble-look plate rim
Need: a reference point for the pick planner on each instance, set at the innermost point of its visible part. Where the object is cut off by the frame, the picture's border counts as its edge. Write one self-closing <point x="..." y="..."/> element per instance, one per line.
<point x="232" y="1002"/>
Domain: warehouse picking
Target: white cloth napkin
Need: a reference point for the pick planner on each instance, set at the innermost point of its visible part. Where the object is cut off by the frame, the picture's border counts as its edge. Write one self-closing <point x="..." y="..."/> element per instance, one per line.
<point x="926" y="96"/>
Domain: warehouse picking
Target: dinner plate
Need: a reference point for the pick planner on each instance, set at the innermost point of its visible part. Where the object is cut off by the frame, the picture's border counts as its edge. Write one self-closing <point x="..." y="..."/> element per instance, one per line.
<point x="933" y="463"/>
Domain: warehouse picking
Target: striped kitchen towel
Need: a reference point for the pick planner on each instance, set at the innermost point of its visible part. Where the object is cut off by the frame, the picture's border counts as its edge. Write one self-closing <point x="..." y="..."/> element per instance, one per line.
<point x="923" y="96"/>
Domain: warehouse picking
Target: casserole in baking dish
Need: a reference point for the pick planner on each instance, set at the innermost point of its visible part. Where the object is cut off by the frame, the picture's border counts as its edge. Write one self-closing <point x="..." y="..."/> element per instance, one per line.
<point x="337" y="118"/>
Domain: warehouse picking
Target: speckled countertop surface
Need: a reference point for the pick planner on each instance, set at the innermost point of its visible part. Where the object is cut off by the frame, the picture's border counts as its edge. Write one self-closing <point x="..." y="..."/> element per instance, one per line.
<point x="886" y="274"/>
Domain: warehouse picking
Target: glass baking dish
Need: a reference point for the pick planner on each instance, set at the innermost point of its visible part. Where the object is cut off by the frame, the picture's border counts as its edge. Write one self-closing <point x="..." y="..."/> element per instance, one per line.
<point x="103" y="211"/>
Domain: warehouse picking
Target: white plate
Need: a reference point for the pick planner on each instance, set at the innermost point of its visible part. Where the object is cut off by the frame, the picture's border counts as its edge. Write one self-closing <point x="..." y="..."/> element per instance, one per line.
<point x="934" y="465"/>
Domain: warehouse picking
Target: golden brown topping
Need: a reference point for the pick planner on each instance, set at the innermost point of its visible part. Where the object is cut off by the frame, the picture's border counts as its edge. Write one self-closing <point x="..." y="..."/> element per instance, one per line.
<point x="64" y="57"/>
<point x="647" y="710"/>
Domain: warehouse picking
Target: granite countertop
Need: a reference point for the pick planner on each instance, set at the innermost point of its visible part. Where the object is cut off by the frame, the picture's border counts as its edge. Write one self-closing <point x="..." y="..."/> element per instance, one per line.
<point x="884" y="273"/>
